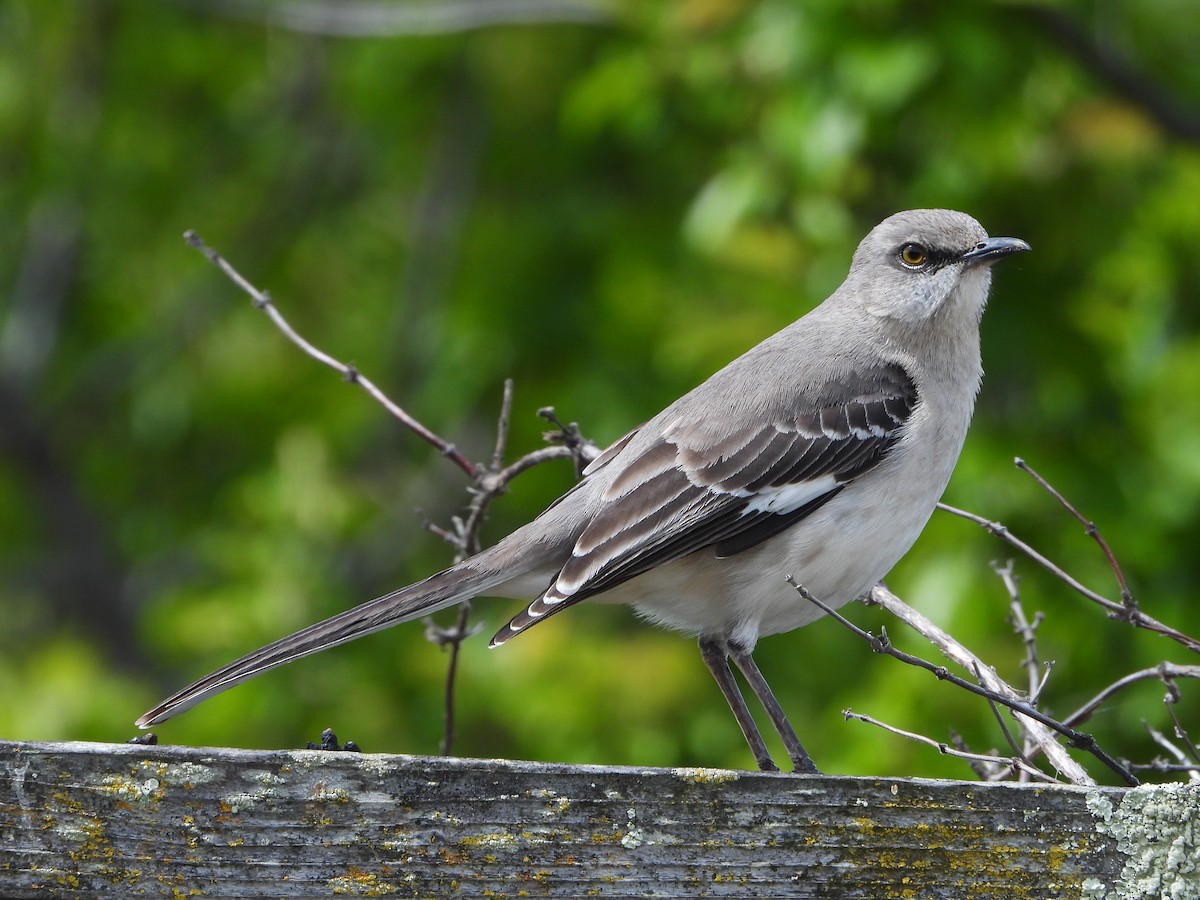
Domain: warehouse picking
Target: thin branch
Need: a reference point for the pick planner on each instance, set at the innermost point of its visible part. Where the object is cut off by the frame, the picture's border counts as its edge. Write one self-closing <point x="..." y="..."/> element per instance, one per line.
<point x="1040" y="732"/>
<point x="1089" y="528"/>
<point x="568" y="435"/>
<point x="1015" y="762"/>
<point x="1181" y="733"/>
<point x="1004" y="729"/>
<point x="469" y="545"/>
<point x="1161" y="765"/>
<point x="502" y="424"/>
<point x="1025" y="628"/>
<point x="453" y="638"/>
<point x="1161" y="739"/>
<point x="1133" y="616"/>
<point x="453" y="538"/>
<point x="263" y="301"/>
<point x="985" y="767"/>
<point x="528" y="461"/>
<point x="1162" y="671"/>
<point x="489" y="482"/>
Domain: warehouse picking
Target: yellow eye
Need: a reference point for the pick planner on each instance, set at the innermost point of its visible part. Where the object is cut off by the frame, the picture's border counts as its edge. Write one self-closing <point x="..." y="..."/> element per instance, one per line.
<point x="913" y="254"/>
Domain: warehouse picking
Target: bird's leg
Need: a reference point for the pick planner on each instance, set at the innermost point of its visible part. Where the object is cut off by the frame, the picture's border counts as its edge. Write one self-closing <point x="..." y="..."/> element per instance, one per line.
<point x="749" y="669"/>
<point x="715" y="656"/>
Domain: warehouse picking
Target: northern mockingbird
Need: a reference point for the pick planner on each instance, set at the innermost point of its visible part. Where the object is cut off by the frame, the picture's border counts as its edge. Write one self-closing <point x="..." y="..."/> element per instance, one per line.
<point x="821" y="454"/>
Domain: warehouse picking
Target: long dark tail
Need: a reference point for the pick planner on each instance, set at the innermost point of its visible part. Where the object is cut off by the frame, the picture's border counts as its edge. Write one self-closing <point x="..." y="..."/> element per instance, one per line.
<point x="436" y="592"/>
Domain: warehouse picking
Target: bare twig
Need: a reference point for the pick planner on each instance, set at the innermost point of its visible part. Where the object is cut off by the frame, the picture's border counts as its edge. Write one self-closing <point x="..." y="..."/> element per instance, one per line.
<point x="1008" y="735"/>
<point x="1161" y="765"/>
<point x="453" y="538"/>
<point x="1185" y="765"/>
<point x="501" y="447"/>
<point x="1119" y="611"/>
<point x="490" y="481"/>
<point x="1089" y="528"/>
<point x="1181" y="733"/>
<point x="469" y="545"/>
<point x="569" y="436"/>
<point x="1024" y="627"/>
<point x="263" y="301"/>
<point x="453" y="638"/>
<point x="1038" y="726"/>
<point x="1162" y="671"/>
<point x="985" y="766"/>
<point x="946" y="749"/>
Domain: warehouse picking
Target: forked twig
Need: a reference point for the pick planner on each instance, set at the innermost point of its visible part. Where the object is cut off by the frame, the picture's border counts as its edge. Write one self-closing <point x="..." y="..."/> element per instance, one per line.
<point x="1026" y="628"/>
<point x="1089" y="528"/>
<point x="1182" y="763"/>
<point x="262" y="300"/>
<point x="1040" y="733"/>
<point x="946" y="749"/>
<point x="490" y="481"/>
<point x="1162" y="672"/>
<point x="1131" y="614"/>
<point x="994" y="687"/>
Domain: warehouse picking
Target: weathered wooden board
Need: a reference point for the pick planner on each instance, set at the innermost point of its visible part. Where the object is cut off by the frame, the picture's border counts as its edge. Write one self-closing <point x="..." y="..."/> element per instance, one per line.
<point x="130" y="821"/>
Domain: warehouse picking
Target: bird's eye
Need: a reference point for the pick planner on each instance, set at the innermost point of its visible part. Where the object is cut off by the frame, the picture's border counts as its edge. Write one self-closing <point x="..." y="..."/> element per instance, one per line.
<point x="913" y="255"/>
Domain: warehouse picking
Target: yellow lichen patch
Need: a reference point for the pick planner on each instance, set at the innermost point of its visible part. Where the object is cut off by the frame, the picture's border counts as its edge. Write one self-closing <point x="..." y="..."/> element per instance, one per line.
<point x="361" y="884"/>
<point x="982" y="867"/>
<point x="705" y="776"/>
<point x="490" y="839"/>
<point x="730" y="878"/>
<point x="148" y="790"/>
<point x="451" y="857"/>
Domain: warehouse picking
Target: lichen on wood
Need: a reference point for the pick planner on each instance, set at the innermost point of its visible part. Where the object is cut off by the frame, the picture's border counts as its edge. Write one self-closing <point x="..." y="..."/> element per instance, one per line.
<point x="134" y="821"/>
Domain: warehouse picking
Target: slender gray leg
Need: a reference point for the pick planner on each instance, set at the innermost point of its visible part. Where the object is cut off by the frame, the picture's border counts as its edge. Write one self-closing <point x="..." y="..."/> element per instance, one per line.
<point x="715" y="655"/>
<point x="749" y="669"/>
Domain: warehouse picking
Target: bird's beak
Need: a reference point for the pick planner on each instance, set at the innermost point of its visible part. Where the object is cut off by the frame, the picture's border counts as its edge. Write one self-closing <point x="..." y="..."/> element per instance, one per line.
<point x="988" y="251"/>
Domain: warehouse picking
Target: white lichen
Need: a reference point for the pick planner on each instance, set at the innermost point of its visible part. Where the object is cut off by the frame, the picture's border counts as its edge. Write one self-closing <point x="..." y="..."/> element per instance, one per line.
<point x="1157" y="830"/>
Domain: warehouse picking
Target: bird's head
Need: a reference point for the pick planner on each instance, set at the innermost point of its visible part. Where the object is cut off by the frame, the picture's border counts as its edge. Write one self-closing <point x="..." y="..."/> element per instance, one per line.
<point x="918" y="263"/>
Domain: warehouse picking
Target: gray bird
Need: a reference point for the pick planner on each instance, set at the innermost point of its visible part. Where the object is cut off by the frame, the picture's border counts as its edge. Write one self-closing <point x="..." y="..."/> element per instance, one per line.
<point x="820" y="454"/>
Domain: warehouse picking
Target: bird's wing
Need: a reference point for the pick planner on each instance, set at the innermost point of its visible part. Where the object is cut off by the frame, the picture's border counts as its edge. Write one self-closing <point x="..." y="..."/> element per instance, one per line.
<point x="679" y="495"/>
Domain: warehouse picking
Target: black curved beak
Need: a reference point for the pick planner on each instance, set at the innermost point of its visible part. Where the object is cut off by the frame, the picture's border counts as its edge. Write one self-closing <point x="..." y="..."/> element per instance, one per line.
<point x="988" y="251"/>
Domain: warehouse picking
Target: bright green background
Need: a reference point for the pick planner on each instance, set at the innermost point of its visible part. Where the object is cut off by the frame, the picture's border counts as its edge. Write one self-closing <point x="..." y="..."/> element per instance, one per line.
<point x="606" y="212"/>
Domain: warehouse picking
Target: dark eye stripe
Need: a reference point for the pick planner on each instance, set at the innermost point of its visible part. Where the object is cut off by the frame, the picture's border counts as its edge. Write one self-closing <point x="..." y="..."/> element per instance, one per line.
<point x="934" y="259"/>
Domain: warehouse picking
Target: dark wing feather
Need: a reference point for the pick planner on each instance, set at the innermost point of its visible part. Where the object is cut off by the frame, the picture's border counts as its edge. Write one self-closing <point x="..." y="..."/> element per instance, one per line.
<point x="674" y="499"/>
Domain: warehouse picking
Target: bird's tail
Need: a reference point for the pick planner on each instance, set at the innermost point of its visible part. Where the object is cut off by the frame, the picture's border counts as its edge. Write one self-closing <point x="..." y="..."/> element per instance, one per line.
<point x="444" y="589"/>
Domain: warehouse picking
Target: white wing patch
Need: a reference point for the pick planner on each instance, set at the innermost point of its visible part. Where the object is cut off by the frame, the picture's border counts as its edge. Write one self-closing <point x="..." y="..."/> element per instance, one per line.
<point x="787" y="498"/>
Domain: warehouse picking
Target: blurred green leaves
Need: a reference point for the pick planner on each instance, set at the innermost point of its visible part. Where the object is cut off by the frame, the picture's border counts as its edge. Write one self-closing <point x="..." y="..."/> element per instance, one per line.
<point x="606" y="213"/>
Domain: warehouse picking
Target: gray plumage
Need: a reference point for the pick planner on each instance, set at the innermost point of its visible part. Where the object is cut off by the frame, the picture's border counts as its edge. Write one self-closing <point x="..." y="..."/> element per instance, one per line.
<point x="820" y="454"/>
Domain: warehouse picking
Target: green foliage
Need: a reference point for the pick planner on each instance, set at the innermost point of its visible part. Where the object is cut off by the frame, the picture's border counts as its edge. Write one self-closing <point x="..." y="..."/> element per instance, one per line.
<point x="606" y="214"/>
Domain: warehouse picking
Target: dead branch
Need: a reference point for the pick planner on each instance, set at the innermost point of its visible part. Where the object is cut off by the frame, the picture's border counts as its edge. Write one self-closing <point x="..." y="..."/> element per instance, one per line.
<point x="1163" y="671"/>
<point x="946" y="749"/>
<point x="1025" y="628"/>
<point x="1182" y="762"/>
<point x="489" y="481"/>
<point x="263" y="301"/>
<point x="1133" y="615"/>
<point x="1089" y="528"/>
<point x="1038" y="726"/>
